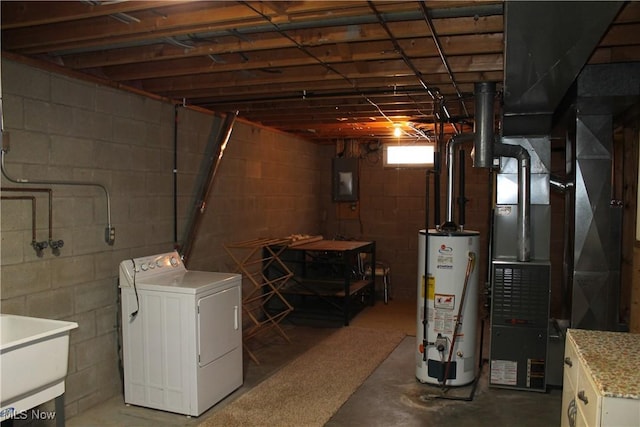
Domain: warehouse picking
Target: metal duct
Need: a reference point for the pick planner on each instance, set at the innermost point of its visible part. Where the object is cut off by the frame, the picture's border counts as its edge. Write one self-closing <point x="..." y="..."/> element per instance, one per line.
<point x="602" y="92"/>
<point x="546" y="45"/>
<point x="524" y="196"/>
<point x="484" y="123"/>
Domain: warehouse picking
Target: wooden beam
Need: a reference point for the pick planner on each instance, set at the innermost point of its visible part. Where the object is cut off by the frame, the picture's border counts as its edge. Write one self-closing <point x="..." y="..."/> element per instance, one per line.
<point x="317" y="73"/>
<point x="17" y="14"/>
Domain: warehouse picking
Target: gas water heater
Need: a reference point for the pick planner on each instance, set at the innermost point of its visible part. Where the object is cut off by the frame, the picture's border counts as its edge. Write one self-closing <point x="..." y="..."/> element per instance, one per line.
<point x="446" y="342"/>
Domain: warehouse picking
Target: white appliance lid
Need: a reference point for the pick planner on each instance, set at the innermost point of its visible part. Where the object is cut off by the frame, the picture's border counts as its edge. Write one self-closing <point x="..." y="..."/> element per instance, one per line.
<point x="186" y="281"/>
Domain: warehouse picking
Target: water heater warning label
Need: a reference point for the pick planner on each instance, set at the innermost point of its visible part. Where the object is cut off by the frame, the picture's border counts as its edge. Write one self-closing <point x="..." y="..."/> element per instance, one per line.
<point x="444" y="322"/>
<point x="432" y="287"/>
<point x="444" y="301"/>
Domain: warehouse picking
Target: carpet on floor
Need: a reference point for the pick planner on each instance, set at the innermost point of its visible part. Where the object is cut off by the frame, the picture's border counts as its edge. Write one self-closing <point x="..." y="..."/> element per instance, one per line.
<point x="310" y="389"/>
<point x="396" y="315"/>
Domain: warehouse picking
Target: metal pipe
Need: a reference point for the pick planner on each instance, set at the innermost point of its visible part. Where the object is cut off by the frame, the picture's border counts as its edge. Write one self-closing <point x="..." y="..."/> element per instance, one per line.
<point x="399" y="50"/>
<point x="38" y="190"/>
<point x="471" y="262"/>
<point x="524" y="196"/>
<point x="436" y="188"/>
<point x="55" y="245"/>
<point x="462" y="200"/>
<point x="437" y="169"/>
<point x="304" y="49"/>
<point x="455" y="140"/>
<point x="483" y="124"/>
<point x="559" y="184"/>
<point x="37" y="246"/>
<point x="175" y="175"/>
<point x="425" y="311"/>
<point x="436" y="40"/>
<point x="490" y="243"/>
<point x="33" y="211"/>
<point x="220" y="146"/>
<point x="110" y="233"/>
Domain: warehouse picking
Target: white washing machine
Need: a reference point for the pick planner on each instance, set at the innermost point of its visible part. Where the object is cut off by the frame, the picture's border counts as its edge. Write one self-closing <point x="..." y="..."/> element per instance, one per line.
<point x="181" y="334"/>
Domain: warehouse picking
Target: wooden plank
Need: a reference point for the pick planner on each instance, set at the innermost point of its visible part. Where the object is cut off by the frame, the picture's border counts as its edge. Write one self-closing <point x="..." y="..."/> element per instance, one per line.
<point x="405" y="32"/>
<point x="320" y="288"/>
<point x="349" y="210"/>
<point x="356" y="287"/>
<point x="193" y="18"/>
<point x="274" y="60"/>
<point x="303" y="240"/>
<point x="193" y="85"/>
<point x="179" y="18"/>
<point x="17" y="14"/>
<point x="337" y="92"/>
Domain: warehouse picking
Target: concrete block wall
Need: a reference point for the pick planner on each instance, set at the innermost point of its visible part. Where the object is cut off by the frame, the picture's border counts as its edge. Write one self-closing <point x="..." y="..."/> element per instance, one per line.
<point x="270" y="185"/>
<point x="392" y="211"/>
<point x="62" y="128"/>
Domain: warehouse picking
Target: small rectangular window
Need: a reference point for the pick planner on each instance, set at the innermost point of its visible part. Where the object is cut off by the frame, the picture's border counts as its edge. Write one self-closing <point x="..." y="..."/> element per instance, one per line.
<point x="408" y="155"/>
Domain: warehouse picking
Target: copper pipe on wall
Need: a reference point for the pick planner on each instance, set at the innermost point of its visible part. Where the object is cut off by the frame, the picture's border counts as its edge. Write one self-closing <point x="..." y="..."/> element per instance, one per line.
<point x="54" y="244"/>
<point x="110" y="233"/>
<point x="37" y="246"/>
<point x="37" y="190"/>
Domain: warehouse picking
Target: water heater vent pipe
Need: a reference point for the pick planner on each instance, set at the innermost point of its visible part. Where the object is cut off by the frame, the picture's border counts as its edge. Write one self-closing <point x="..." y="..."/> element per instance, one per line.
<point x="485" y="148"/>
<point x="449" y="223"/>
<point x="485" y="93"/>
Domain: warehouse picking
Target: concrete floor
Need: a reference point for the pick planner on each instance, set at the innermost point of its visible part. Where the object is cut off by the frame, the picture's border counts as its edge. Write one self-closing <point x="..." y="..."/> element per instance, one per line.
<point x="391" y="396"/>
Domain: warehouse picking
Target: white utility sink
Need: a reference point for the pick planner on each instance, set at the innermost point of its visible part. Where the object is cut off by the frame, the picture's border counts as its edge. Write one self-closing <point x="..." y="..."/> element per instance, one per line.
<point x="34" y="354"/>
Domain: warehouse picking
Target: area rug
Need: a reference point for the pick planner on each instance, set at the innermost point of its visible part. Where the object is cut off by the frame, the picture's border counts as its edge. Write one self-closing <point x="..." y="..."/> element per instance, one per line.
<point x="310" y="389"/>
<point x="396" y="315"/>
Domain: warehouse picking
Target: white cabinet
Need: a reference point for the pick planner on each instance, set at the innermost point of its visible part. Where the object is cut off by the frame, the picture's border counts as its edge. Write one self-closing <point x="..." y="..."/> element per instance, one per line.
<point x="601" y="379"/>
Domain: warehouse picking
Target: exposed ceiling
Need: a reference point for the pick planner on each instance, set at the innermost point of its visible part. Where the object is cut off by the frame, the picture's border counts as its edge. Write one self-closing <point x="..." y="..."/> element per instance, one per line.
<point x="324" y="70"/>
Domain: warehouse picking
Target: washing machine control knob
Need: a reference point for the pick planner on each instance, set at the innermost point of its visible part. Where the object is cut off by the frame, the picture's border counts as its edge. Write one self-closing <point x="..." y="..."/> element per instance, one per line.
<point x="174" y="261"/>
<point x="144" y="266"/>
<point x="159" y="263"/>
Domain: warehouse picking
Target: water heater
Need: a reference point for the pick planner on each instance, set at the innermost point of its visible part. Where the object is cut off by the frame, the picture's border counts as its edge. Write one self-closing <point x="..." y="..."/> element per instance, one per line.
<point x="446" y="342"/>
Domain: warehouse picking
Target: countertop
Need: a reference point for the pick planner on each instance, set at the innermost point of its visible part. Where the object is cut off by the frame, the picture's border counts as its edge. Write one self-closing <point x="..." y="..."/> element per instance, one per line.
<point x="613" y="359"/>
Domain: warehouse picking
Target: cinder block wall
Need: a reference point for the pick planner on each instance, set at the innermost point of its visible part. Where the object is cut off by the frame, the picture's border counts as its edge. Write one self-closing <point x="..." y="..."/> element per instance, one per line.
<point x="271" y="185"/>
<point x="391" y="211"/>
<point x="62" y="128"/>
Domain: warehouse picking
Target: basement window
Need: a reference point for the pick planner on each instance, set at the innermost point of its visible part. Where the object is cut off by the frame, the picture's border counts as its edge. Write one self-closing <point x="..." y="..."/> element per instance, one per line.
<point x="408" y="155"/>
